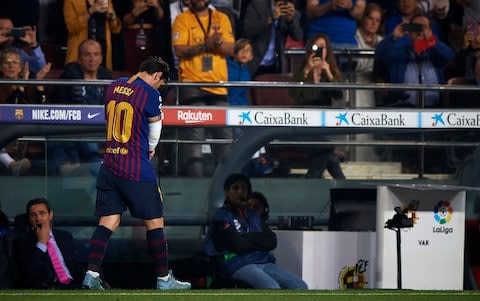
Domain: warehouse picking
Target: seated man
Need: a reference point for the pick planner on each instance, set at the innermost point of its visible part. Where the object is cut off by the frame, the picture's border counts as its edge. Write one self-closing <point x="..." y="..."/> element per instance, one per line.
<point x="80" y="158"/>
<point x="241" y="241"/>
<point x="88" y="67"/>
<point x="44" y="257"/>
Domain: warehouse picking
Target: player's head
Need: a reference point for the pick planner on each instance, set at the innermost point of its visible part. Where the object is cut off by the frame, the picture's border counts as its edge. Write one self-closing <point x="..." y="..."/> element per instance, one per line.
<point x="237" y="187"/>
<point x="157" y="68"/>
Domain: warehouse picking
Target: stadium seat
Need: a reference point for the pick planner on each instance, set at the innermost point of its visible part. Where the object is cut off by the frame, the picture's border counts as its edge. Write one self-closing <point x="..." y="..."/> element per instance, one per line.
<point x="272" y="96"/>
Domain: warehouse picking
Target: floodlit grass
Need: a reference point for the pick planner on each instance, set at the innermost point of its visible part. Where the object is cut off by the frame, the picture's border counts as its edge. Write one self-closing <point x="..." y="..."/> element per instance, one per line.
<point x="240" y="295"/>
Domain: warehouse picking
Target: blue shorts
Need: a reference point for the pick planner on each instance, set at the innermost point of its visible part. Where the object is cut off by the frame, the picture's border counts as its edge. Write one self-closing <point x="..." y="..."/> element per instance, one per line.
<point x="116" y="194"/>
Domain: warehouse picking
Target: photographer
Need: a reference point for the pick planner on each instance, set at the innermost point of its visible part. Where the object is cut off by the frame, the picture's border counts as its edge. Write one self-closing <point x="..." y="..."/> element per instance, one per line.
<point x="320" y="66"/>
<point x="267" y="23"/>
<point x="412" y="54"/>
<point x="24" y="40"/>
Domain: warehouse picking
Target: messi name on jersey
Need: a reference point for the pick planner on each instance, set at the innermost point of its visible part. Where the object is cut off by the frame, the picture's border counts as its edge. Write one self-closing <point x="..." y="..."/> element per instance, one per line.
<point x="123" y="90"/>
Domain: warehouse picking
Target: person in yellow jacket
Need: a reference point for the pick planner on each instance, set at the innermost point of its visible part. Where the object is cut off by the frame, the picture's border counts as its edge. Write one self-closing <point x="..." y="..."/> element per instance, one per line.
<point x="90" y="19"/>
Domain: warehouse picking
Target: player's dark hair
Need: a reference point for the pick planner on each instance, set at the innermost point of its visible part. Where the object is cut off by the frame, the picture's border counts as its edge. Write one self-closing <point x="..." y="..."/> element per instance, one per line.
<point x="155" y="64"/>
<point x="235" y="178"/>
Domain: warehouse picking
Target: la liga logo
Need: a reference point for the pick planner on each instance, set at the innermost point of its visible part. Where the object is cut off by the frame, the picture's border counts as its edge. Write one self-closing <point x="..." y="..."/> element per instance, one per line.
<point x="443" y="213"/>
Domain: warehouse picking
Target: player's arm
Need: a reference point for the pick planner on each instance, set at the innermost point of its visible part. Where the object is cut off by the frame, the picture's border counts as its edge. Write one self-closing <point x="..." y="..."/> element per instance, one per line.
<point x="155" y="129"/>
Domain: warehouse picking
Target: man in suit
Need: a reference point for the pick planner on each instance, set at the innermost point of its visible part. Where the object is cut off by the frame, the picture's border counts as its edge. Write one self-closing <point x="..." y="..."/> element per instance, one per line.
<point x="44" y="256"/>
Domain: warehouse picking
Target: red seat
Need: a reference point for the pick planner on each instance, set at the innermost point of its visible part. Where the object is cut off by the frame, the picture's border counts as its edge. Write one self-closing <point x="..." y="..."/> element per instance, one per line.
<point x="272" y="96"/>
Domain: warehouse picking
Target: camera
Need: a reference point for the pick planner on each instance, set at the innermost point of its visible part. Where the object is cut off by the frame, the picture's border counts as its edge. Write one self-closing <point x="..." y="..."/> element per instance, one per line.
<point x="317" y="51"/>
<point x="399" y="220"/>
<point x="412" y="27"/>
<point x="17" y="32"/>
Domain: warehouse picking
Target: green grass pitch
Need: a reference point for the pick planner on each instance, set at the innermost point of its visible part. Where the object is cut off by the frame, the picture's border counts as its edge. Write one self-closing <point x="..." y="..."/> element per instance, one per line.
<point x="238" y="295"/>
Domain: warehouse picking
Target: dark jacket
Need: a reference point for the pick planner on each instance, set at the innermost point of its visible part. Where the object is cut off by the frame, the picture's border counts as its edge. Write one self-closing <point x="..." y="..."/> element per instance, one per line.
<point x="392" y="57"/>
<point x="312" y="96"/>
<point x="34" y="266"/>
<point x="255" y="27"/>
<point x="75" y="94"/>
<point x="238" y="238"/>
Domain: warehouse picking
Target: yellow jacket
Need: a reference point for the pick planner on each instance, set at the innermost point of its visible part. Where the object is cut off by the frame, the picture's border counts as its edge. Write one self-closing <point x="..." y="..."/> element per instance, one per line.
<point x="74" y="12"/>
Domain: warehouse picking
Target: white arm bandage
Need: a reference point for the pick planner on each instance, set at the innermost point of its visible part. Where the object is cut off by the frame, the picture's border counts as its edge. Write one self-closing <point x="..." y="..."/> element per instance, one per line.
<point x="5" y="158"/>
<point x="155" y="129"/>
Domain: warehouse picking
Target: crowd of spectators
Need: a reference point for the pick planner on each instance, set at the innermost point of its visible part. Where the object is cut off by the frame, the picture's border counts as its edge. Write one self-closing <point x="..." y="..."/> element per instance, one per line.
<point x="415" y="41"/>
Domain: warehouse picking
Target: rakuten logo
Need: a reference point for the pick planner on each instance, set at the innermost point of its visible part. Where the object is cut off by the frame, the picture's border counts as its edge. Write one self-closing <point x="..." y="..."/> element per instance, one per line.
<point x="194" y="116"/>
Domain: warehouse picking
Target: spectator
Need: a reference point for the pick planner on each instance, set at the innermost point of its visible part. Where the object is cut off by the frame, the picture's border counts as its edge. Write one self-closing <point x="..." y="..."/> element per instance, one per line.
<point x="465" y="58"/>
<point x="414" y="57"/>
<point x="11" y="67"/>
<point x="202" y="51"/>
<point x="24" y="40"/>
<point x="367" y="37"/>
<point x="258" y="202"/>
<point x="90" y="19"/>
<point x="45" y="256"/>
<point x="320" y="66"/>
<point x="16" y="168"/>
<point x="466" y="99"/>
<point x="336" y="18"/>
<point x="242" y="243"/>
<point x="406" y="10"/>
<point x="238" y="71"/>
<point x="87" y="67"/>
<point x="267" y="23"/>
<point x="142" y="22"/>
<point x="77" y="158"/>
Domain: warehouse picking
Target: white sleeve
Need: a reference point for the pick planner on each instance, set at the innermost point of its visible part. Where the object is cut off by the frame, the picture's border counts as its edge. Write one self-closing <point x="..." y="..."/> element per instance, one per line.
<point x="155" y="129"/>
<point x="5" y="158"/>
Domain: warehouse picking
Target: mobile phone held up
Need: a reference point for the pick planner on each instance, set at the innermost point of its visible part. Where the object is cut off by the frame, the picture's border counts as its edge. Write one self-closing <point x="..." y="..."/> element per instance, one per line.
<point x="17" y="32"/>
<point x="317" y="51"/>
<point x="412" y="27"/>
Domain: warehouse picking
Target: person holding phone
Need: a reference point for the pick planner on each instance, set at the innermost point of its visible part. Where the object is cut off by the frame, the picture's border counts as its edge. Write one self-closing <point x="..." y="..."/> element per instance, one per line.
<point x="90" y="19"/>
<point x="35" y="252"/>
<point x="336" y="18"/>
<point x="143" y="22"/>
<point x="320" y="66"/>
<point x="413" y="54"/>
<point x="267" y="24"/>
<point x="24" y="40"/>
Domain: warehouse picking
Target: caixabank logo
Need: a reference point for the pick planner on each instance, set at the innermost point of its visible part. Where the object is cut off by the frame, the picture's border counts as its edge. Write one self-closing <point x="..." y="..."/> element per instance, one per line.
<point x="273" y="117"/>
<point x="456" y="119"/>
<point x="354" y="276"/>
<point x="442" y="214"/>
<point x="370" y="119"/>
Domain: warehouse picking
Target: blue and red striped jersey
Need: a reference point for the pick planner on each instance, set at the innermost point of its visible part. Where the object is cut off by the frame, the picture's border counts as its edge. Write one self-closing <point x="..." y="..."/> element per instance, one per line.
<point x="129" y="102"/>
